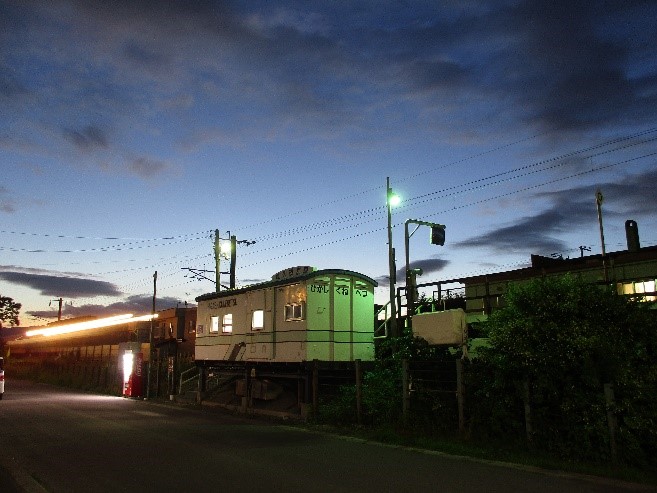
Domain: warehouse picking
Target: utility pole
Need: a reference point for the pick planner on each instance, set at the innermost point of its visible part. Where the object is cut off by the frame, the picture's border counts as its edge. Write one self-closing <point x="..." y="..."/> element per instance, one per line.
<point x="217" y="261"/>
<point x="59" y="312"/>
<point x="199" y="273"/>
<point x="598" y="201"/>
<point x="391" y="263"/>
<point x="233" y="260"/>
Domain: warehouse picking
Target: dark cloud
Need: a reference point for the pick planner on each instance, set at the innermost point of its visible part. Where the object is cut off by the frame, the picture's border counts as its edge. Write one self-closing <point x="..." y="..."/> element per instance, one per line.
<point x="147" y="168"/>
<point x="530" y="234"/>
<point x="429" y="75"/>
<point x="10" y="86"/>
<point x="248" y="282"/>
<point x="144" y="56"/>
<point x="579" y="72"/>
<point x="89" y="138"/>
<point x="136" y="304"/>
<point x="559" y="65"/>
<point x="6" y="204"/>
<point x="428" y="266"/>
<point x="632" y="197"/>
<point x="61" y="286"/>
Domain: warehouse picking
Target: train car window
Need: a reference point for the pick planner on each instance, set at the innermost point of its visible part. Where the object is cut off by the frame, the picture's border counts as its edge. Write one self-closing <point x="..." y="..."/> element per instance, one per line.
<point x="227" y="323"/>
<point x="258" y="320"/>
<point x="295" y="311"/>
<point x="214" y="325"/>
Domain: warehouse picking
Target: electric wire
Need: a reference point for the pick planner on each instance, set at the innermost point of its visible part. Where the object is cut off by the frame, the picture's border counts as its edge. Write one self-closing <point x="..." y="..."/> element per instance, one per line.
<point x="77" y="237"/>
<point x="458" y="207"/>
<point x="479" y="184"/>
<point x="372" y="189"/>
<point x="555" y="159"/>
<point x="289" y="253"/>
<point x="376" y="211"/>
<point x="198" y="235"/>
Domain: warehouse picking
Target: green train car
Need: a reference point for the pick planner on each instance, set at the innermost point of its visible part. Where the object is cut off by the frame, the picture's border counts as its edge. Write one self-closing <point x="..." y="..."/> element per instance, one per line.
<point x="302" y="314"/>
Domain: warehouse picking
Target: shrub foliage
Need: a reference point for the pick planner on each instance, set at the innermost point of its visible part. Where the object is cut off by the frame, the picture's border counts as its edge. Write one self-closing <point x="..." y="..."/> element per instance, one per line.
<point x="557" y="342"/>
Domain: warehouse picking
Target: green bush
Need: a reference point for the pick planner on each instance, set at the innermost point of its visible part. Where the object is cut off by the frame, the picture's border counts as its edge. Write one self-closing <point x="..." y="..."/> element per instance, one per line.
<point x="565" y="340"/>
<point x="382" y="390"/>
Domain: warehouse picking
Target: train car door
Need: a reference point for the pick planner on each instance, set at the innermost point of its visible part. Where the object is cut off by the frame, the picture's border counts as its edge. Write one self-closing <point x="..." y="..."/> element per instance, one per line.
<point x="320" y="316"/>
<point x="342" y="333"/>
<point x="259" y="332"/>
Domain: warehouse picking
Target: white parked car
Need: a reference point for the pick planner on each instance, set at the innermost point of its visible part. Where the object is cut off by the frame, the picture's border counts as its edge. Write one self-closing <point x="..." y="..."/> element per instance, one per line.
<point x="2" y="376"/>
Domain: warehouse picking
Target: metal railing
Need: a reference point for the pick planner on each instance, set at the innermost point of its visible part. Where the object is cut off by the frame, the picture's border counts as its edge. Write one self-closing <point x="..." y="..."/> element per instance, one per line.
<point x="190" y="375"/>
<point x="381" y="330"/>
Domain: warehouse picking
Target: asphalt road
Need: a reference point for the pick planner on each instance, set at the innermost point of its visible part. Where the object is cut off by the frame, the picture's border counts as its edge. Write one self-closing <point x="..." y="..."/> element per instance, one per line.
<point x="58" y="440"/>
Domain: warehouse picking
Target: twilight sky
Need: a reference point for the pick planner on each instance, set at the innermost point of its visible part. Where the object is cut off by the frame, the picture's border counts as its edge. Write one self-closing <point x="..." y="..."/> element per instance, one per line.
<point x="131" y="130"/>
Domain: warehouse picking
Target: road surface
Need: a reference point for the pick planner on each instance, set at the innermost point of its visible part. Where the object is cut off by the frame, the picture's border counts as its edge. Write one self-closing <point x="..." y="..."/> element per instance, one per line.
<point x="59" y="440"/>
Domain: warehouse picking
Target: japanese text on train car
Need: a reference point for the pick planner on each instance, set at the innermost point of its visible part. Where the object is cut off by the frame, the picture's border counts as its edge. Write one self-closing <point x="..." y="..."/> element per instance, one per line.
<point x="222" y="303"/>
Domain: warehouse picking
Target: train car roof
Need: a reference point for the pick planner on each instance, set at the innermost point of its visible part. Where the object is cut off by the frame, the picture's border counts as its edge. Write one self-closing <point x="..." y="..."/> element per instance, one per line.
<point x="283" y="282"/>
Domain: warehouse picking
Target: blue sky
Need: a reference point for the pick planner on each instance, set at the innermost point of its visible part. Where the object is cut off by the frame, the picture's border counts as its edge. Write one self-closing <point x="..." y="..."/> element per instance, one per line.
<point x="131" y="130"/>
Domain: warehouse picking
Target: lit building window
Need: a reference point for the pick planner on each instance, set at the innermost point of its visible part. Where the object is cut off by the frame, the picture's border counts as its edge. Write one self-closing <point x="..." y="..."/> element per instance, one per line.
<point x="258" y="320"/>
<point x="227" y="323"/>
<point x="639" y="287"/>
<point x="214" y="325"/>
<point x="295" y="311"/>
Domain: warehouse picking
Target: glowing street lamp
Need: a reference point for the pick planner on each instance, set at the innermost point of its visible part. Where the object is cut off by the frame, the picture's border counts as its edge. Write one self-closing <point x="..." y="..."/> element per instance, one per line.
<point x="391" y="200"/>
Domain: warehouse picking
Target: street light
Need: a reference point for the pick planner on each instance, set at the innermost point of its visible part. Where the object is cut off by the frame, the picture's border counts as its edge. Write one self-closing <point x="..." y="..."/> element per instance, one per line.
<point x="437" y="238"/>
<point x="391" y="200"/>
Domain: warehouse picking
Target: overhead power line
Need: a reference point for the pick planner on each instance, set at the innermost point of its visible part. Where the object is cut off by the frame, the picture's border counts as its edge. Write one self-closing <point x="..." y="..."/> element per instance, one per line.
<point x="368" y="212"/>
<point x="124" y="246"/>
<point x="359" y="218"/>
<point x="479" y="184"/>
<point x="108" y="238"/>
<point x="457" y="207"/>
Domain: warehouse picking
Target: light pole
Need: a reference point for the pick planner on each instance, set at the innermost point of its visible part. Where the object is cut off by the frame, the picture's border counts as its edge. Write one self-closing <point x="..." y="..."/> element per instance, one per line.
<point x="437" y="238"/>
<point x="391" y="199"/>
